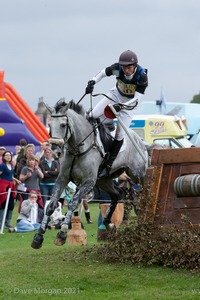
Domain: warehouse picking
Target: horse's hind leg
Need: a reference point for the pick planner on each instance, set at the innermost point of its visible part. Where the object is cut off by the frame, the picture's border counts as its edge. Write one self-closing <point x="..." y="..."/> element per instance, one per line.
<point x="108" y="215"/>
<point x="116" y="195"/>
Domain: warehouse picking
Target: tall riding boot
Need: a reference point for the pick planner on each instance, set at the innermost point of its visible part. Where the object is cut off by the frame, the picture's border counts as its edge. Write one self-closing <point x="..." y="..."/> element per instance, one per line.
<point x="87" y="216"/>
<point x="104" y="169"/>
<point x="8" y="218"/>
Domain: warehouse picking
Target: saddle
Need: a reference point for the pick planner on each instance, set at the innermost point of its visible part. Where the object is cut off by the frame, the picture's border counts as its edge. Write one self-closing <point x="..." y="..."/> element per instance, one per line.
<point x="105" y="128"/>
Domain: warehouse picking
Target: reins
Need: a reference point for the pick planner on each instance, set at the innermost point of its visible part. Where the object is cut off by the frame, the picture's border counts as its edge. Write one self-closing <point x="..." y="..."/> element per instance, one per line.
<point x="81" y="98"/>
<point x="120" y="107"/>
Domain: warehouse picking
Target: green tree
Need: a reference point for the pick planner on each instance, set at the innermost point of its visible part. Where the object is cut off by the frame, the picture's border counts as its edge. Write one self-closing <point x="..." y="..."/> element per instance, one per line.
<point x="196" y="98"/>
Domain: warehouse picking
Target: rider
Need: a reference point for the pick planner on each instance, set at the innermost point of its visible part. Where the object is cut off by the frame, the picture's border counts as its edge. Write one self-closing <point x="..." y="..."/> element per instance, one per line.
<point x="131" y="84"/>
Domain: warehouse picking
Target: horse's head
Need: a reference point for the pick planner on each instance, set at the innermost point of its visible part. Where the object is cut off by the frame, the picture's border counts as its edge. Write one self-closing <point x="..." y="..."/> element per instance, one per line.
<point x="60" y="124"/>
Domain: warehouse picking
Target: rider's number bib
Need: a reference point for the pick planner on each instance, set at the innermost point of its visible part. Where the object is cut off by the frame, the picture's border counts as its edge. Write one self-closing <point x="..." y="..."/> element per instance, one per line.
<point x="126" y="88"/>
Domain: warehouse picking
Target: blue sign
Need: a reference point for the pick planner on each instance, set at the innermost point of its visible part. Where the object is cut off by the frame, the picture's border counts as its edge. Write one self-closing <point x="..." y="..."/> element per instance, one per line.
<point x="137" y="124"/>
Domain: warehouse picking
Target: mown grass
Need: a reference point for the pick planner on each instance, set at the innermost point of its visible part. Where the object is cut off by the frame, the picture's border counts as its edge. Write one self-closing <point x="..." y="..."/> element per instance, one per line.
<point x="66" y="273"/>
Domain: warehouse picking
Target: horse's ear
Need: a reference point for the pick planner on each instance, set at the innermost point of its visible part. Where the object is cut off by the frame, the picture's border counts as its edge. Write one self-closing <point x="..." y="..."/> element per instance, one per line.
<point x="70" y="104"/>
<point x="50" y="109"/>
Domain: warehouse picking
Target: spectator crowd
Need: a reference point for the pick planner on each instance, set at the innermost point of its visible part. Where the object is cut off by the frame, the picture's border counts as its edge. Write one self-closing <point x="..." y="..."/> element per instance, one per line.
<point x="31" y="176"/>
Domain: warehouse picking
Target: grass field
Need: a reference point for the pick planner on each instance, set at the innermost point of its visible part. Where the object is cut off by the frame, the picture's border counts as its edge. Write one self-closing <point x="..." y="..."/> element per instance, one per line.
<point x="64" y="272"/>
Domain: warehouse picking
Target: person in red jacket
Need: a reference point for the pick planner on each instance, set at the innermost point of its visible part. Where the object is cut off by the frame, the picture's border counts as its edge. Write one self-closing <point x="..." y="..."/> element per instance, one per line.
<point x="7" y="181"/>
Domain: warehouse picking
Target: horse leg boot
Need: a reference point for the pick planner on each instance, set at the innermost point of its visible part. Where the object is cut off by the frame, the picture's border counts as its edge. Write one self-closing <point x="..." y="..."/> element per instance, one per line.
<point x="62" y="234"/>
<point x="84" y="190"/>
<point x="104" y="170"/>
<point x="38" y="238"/>
<point x="108" y="216"/>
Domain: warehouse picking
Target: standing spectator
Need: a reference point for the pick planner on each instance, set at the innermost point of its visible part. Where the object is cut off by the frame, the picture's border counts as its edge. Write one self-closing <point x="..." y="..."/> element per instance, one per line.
<point x="50" y="169"/>
<point x="43" y="146"/>
<point x="86" y="207"/>
<point x="28" y="216"/>
<point x="2" y="150"/>
<point x="6" y="182"/>
<point x="22" y="144"/>
<point x="30" y="175"/>
<point x="21" y="160"/>
<point x="17" y="150"/>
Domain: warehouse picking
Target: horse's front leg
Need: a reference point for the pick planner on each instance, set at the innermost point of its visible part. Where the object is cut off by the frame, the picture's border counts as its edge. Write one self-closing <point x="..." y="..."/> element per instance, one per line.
<point x="38" y="238"/>
<point x="83" y="190"/>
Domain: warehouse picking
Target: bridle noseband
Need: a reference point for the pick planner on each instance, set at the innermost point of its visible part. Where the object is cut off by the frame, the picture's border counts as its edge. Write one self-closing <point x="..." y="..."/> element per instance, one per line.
<point x="68" y="130"/>
<point x="67" y="124"/>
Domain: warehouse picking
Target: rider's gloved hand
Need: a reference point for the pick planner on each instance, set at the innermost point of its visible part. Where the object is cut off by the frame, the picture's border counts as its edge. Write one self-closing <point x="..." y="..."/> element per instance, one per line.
<point x="90" y="87"/>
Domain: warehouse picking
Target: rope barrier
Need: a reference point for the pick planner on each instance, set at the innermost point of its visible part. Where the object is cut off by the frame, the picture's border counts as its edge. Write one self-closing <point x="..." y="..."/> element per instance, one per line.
<point x="91" y="200"/>
<point x="8" y="198"/>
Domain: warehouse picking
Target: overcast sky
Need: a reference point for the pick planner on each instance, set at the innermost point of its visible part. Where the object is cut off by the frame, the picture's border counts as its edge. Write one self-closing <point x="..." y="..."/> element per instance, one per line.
<point x="51" y="48"/>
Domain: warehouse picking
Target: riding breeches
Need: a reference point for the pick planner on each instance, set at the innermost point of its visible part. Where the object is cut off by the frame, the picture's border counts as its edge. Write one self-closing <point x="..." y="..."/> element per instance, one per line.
<point x="125" y="115"/>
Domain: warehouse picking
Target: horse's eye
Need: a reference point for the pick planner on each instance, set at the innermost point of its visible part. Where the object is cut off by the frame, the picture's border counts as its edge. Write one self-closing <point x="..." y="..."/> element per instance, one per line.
<point x="62" y="125"/>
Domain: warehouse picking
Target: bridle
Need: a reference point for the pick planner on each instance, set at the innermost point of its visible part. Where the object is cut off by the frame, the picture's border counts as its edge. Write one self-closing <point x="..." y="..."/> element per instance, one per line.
<point x="67" y="123"/>
<point x="75" y="152"/>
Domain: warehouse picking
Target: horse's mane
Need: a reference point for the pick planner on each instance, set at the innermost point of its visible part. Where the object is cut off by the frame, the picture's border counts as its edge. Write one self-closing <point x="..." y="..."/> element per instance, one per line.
<point x="71" y="105"/>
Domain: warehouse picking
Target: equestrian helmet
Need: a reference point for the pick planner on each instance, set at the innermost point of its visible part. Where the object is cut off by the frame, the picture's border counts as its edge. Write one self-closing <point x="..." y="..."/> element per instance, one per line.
<point x="128" y="58"/>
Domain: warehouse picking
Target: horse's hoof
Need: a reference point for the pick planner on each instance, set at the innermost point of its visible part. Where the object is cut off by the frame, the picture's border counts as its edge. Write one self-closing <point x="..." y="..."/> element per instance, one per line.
<point x="60" y="238"/>
<point x="109" y="226"/>
<point x="37" y="241"/>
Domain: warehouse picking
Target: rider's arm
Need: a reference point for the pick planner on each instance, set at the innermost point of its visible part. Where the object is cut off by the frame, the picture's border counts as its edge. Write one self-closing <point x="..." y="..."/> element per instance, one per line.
<point x="99" y="76"/>
<point x="112" y="70"/>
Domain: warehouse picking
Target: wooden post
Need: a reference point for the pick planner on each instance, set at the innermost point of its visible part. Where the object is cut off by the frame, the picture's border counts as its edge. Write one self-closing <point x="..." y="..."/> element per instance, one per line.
<point x="77" y="235"/>
<point x="117" y="219"/>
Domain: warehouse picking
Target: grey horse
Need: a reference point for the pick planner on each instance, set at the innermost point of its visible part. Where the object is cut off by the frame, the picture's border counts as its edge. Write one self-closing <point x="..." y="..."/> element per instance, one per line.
<point x="80" y="162"/>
